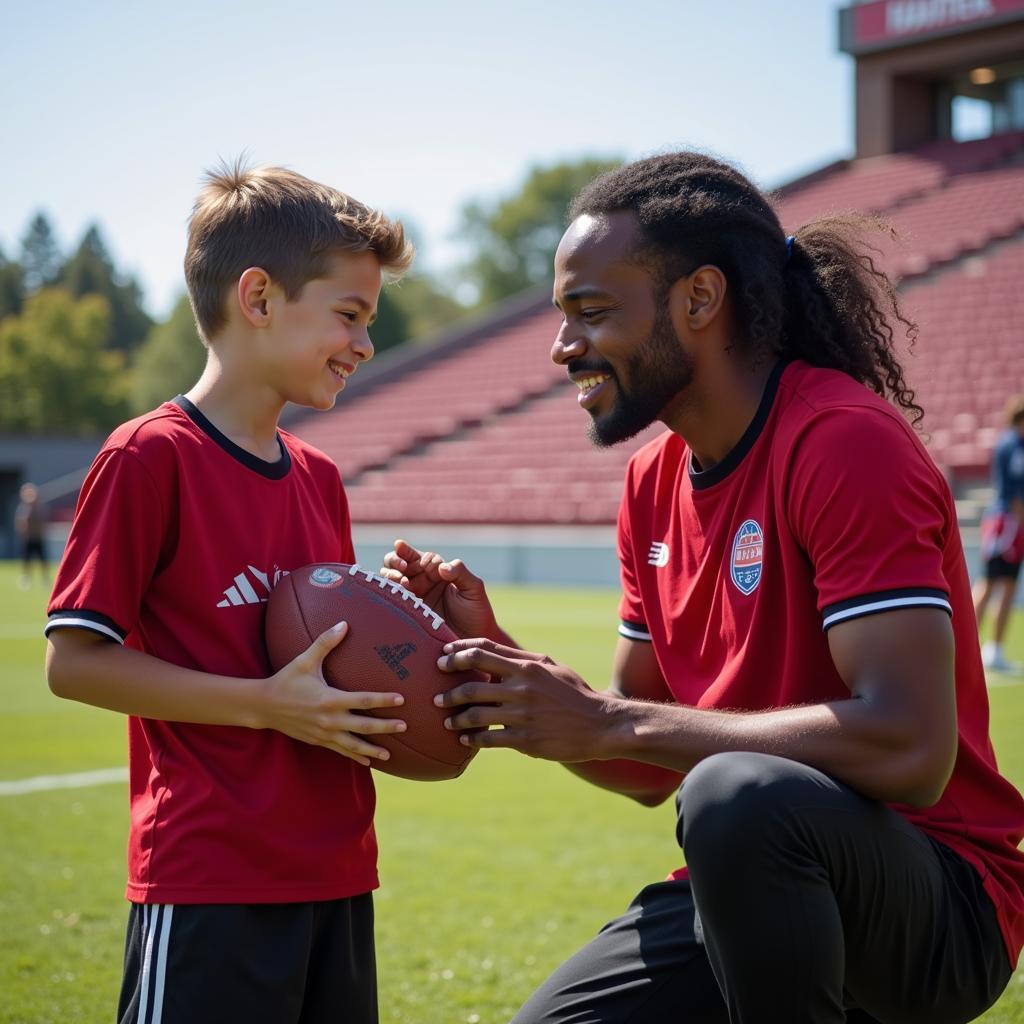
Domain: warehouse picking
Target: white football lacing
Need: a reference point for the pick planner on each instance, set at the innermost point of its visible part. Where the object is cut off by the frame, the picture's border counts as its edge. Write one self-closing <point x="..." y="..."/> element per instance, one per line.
<point x="397" y="588"/>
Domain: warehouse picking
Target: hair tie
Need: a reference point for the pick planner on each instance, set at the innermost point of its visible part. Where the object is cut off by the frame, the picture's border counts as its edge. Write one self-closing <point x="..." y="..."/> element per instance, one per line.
<point x="789" y="248"/>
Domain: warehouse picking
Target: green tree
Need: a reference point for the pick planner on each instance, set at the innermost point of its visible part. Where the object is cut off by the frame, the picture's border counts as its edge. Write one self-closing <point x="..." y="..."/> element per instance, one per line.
<point x="12" y="287"/>
<point x="515" y="238"/>
<point x="90" y="271"/>
<point x="40" y="254"/>
<point x="169" y="361"/>
<point x="391" y="328"/>
<point x="426" y="306"/>
<point x="55" y="375"/>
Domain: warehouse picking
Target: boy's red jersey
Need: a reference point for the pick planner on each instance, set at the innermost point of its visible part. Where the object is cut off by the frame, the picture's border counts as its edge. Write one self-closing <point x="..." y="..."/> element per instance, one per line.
<point x="178" y="538"/>
<point x="829" y="508"/>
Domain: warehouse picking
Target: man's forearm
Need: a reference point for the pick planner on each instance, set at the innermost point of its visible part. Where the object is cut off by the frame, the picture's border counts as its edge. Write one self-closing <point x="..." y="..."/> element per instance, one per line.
<point x="848" y="739"/>
<point x="648" y="784"/>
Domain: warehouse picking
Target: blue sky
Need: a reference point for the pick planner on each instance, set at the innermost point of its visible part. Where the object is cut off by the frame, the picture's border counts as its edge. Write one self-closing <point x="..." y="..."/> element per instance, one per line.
<point x="113" y="110"/>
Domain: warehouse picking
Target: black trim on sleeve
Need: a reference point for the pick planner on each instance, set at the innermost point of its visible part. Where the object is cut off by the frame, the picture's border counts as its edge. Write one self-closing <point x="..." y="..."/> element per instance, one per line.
<point x="884" y="601"/>
<point x="701" y="478"/>
<point x="634" y="630"/>
<point x="271" y="470"/>
<point x="79" y="618"/>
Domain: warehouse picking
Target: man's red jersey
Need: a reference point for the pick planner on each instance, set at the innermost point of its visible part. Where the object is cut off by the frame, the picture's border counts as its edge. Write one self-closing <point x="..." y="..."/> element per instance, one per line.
<point x="829" y="508"/>
<point x="178" y="538"/>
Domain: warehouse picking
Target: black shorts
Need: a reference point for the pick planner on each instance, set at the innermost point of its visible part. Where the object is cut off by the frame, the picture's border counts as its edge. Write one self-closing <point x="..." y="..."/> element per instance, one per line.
<point x="998" y="568"/>
<point x="271" y="963"/>
<point x="33" y="549"/>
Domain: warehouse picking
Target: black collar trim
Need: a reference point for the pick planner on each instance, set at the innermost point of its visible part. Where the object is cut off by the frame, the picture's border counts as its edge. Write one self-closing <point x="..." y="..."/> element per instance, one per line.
<point x="701" y="479"/>
<point x="271" y="470"/>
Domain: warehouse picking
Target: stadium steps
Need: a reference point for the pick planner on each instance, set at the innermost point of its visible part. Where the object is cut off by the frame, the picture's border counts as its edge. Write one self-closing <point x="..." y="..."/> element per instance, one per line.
<point x="479" y="427"/>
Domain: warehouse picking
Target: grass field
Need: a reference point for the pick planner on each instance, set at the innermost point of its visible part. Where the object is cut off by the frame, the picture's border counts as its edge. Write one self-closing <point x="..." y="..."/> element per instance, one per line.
<point x="488" y="882"/>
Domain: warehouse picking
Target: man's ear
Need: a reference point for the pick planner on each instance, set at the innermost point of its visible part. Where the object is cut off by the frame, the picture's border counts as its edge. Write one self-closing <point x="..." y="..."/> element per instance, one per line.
<point x="699" y="297"/>
<point x="253" y="295"/>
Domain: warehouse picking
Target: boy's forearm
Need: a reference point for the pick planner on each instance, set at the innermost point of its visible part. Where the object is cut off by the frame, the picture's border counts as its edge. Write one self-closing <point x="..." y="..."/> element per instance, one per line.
<point x="122" y="679"/>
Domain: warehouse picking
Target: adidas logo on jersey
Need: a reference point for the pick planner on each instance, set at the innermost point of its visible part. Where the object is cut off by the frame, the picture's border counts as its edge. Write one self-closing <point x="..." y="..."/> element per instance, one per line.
<point x="658" y="555"/>
<point x="243" y="590"/>
<point x="394" y="656"/>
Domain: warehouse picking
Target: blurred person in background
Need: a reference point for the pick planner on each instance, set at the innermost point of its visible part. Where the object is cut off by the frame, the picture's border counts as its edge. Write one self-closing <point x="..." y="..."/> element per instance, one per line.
<point x="1002" y="534"/>
<point x="30" y="519"/>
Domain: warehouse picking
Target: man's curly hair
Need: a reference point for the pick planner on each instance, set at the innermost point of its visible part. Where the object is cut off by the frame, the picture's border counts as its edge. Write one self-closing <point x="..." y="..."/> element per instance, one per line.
<point x="821" y="298"/>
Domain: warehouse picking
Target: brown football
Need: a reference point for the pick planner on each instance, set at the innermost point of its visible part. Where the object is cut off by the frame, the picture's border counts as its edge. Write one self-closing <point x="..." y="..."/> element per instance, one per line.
<point x="393" y="644"/>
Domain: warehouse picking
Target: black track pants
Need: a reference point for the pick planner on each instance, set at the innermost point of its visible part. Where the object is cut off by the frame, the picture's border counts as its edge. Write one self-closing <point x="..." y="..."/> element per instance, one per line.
<point x="806" y="903"/>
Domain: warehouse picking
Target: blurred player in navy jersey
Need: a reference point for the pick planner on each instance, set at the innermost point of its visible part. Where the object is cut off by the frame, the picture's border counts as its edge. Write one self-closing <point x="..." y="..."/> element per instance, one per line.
<point x="1002" y="534"/>
<point x="797" y="656"/>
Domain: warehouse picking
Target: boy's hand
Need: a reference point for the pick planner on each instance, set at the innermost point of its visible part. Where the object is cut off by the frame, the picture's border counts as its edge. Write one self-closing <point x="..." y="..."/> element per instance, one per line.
<point x="457" y="595"/>
<point x="300" y="704"/>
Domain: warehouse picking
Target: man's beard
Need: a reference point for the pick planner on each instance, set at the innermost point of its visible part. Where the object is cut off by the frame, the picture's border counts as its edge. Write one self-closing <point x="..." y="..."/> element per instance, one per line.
<point x="657" y="371"/>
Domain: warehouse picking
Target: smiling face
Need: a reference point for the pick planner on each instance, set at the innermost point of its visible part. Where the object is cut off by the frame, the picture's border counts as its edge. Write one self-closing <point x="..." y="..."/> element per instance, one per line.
<point x="617" y="340"/>
<point x="317" y="340"/>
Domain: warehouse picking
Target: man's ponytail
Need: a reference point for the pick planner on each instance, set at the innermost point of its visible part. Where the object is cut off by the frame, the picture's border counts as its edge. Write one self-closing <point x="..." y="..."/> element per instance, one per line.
<point x="841" y="308"/>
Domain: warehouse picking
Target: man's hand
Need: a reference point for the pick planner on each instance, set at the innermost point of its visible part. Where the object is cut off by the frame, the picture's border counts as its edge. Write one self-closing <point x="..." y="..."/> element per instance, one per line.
<point x="544" y="709"/>
<point x="299" y="703"/>
<point x="458" y="596"/>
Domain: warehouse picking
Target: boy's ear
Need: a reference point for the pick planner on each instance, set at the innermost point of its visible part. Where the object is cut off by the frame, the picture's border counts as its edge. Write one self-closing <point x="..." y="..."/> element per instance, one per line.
<point x="254" y="296"/>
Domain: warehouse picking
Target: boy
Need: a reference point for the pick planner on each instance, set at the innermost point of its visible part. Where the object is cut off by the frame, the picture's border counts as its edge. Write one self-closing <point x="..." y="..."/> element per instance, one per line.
<point x="251" y="853"/>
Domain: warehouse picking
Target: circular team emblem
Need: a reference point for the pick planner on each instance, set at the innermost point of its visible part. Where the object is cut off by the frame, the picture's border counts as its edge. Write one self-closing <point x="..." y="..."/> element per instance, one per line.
<point x="747" y="558"/>
<point x="324" y="577"/>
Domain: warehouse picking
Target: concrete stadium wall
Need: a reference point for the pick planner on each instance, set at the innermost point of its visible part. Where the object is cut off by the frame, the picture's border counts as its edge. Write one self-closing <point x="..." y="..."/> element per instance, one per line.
<point x="556" y="556"/>
<point x="567" y="556"/>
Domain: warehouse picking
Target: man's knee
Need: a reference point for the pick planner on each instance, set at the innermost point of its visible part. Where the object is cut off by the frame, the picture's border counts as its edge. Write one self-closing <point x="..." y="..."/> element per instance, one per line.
<point x="730" y="801"/>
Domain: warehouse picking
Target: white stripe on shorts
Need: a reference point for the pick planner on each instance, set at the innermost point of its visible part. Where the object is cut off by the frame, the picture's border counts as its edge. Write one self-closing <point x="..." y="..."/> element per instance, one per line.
<point x="156" y="931"/>
<point x="161" y="974"/>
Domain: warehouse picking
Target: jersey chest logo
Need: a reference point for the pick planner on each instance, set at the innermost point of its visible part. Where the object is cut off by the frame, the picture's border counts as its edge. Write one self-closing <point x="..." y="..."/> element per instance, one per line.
<point x="747" y="558"/>
<point x="658" y="555"/>
<point x="251" y="586"/>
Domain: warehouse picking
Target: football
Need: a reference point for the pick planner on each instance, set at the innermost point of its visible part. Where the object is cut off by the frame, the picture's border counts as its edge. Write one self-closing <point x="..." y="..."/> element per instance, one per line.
<point x="393" y="644"/>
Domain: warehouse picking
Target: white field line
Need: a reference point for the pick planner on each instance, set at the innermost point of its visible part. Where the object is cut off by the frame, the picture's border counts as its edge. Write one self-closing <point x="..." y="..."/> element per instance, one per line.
<point x="74" y="780"/>
<point x="995" y="679"/>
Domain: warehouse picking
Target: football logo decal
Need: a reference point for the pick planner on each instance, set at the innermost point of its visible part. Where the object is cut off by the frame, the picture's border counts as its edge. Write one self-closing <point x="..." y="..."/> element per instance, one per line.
<point x="324" y="577"/>
<point x="394" y="656"/>
<point x="747" y="558"/>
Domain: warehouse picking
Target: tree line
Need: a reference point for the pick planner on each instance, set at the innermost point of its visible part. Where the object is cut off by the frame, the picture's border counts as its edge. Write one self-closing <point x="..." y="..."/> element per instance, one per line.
<point x="79" y="353"/>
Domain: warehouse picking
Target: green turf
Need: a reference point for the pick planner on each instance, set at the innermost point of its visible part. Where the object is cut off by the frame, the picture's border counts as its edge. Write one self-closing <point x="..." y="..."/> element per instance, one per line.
<point x="487" y="883"/>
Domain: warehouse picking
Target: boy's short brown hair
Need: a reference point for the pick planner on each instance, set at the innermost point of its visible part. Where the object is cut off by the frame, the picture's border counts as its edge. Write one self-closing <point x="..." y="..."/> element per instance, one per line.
<point x="278" y="220"/>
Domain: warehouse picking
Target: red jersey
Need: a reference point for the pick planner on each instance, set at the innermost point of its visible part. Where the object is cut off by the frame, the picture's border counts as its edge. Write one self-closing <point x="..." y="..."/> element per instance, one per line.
<point x="178" y="537"/>
<point x="828" y="508"/>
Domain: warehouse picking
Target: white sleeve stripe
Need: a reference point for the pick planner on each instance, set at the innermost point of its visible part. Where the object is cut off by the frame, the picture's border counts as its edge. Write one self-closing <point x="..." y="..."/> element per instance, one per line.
<point x="96" y="627"/>
<point x="631" y="633"/>
<point x="881" y="606"/>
